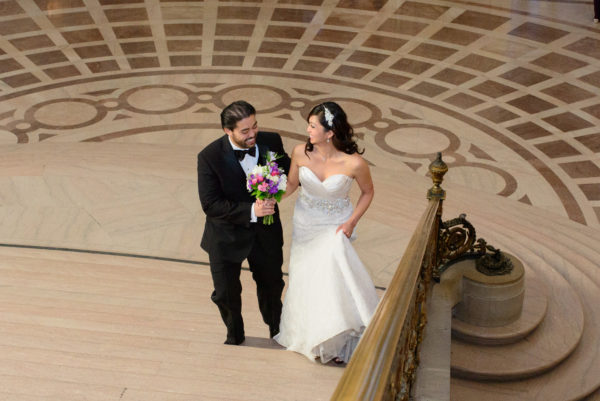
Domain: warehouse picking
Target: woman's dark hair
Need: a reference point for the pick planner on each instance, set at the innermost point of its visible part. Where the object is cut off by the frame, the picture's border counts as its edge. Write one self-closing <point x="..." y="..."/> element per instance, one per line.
<point x="235" y="112"/>
<point x="343" y="138"/>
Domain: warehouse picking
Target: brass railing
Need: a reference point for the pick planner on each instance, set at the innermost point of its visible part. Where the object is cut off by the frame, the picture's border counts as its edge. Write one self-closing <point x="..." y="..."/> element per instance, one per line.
<point x="384" y="363"/>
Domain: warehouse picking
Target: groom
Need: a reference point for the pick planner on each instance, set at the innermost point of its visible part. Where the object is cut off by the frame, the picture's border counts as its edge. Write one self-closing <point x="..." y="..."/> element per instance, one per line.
<point x="234" y="230"/>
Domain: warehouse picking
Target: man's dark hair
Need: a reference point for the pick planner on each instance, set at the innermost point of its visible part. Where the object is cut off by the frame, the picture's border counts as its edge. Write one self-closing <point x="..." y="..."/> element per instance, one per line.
<point x="235" y="112"/>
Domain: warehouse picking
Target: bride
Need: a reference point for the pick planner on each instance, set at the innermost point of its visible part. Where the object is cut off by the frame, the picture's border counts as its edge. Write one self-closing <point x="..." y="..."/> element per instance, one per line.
<point x="330" y="297"/>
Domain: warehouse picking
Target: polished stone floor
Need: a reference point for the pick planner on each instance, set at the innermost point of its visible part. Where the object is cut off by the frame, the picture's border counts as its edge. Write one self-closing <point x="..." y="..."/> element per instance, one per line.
<point x="508" y="93"/>
<point x="104" y="105"/>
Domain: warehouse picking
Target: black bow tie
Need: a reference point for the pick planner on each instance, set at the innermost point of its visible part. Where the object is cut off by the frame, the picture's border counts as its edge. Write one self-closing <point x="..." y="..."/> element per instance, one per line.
<point x="241" y="153"/>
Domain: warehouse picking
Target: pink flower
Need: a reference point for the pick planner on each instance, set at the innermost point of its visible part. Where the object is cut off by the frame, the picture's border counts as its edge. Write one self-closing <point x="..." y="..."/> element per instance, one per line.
<point x="264" y="182"/>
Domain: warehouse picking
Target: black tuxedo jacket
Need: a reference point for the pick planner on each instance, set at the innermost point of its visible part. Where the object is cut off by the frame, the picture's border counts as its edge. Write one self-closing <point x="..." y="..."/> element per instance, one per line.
<point x="228" y="233"/>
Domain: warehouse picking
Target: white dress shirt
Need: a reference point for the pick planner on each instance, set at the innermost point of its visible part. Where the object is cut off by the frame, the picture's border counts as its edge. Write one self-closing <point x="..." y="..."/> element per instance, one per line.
<point x="248" y="163"/>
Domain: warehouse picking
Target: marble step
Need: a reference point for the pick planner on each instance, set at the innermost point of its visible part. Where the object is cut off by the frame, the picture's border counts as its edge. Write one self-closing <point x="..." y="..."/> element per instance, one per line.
<point x="535" y="305"/>
<point x="546" y="242"/>
<point x="579" y="374"/>
<point x="74" y="323"/>
<point x="541" y="351"/>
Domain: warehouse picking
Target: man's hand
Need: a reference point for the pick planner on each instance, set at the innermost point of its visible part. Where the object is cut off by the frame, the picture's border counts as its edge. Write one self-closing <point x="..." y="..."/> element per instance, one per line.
<point x="264" y="207"/>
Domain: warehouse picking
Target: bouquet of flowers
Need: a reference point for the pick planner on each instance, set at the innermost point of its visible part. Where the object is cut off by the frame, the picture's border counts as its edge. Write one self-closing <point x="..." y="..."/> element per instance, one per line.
<point x="267" y="181"/>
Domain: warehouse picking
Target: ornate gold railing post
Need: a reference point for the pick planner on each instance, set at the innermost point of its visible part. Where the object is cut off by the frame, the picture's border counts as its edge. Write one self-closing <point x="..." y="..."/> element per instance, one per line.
<point x="437" y="169"/>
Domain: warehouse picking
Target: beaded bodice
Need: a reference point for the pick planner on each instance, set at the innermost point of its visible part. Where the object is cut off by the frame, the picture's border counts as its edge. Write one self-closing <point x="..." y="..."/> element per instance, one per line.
<point x="321" y="205"/>
<point x="328" y="196"/>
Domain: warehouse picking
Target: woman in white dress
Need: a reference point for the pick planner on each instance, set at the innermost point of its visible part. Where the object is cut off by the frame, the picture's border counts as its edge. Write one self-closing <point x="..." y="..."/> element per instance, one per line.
<point x="330" y="297"/>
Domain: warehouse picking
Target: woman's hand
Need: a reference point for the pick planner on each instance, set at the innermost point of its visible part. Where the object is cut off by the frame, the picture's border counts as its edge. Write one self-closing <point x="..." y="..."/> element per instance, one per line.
<point x="347" y="228"/>
<point x="365" y="183"/>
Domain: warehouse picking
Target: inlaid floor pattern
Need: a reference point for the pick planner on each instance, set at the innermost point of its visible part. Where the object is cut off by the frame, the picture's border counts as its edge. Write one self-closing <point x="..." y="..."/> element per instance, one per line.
<point x="104" y="105"/>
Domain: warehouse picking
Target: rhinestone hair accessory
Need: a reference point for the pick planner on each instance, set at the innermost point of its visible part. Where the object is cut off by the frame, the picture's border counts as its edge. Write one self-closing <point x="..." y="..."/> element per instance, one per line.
<point x="328" y="116"/>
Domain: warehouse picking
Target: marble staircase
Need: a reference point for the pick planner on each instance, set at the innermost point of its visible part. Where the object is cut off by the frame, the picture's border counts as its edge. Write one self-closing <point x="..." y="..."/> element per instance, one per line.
<point x="552" y="352"/>
<point x="141" y="199"/>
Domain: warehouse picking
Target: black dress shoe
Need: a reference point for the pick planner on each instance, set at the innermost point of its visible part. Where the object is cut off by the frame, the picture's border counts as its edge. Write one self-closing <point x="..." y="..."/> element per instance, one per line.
<point x="234" y="341"/>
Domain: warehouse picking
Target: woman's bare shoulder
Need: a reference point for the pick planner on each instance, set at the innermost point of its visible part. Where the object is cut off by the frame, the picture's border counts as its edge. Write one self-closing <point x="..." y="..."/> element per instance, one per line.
<point x="353" y="159"/>
<point x="298" y="153"/>
<point x="357" y="163"/>
<point x="298" y="148"/>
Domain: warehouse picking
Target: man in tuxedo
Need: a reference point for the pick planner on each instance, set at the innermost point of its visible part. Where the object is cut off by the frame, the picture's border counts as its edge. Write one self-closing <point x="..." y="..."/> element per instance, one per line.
<point x="234" y="230"/>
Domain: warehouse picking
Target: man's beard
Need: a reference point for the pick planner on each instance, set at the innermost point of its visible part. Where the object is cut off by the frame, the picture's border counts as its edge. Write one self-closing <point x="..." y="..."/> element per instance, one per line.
<point x="244" y="144"/>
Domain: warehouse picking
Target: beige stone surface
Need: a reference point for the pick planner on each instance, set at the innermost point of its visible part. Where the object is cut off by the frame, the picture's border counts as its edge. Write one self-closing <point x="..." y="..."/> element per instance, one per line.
<point x="99" y="326"/>
<point x="491" y="300"/>
<point x="104" y="106"/>
<point x="535" y="305"/>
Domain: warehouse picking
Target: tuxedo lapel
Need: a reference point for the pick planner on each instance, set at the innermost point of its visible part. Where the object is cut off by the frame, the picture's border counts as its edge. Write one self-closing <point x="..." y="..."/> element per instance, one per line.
<point x="263" y="149"/>
<point x="262" y="154"/>
<point x="231" y="162"/>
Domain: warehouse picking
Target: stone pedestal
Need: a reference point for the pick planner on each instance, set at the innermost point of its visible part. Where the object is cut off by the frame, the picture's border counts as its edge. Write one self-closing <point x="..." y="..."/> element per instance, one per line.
<point x="491" y="301"/>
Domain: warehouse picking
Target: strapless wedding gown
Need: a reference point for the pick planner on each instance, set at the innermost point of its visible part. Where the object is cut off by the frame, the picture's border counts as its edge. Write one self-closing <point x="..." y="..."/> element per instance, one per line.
<point x="330" y="297"/>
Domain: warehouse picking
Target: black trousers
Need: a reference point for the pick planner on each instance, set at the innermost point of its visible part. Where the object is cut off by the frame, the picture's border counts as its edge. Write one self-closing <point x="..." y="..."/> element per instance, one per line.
<point x="265" y="265"/>
<point x="597" y="9"/>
